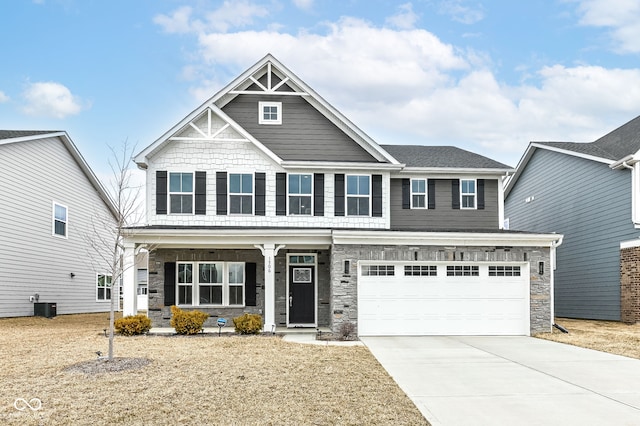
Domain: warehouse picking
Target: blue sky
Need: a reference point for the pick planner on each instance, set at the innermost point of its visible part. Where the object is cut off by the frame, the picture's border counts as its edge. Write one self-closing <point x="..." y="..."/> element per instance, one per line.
<point x="487" y="76"/>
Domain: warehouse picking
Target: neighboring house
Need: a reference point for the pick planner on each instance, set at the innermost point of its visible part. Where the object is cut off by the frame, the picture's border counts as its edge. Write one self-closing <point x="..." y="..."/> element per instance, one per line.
<point x="267" y="200"/>
<point x="49" y="203"/>
<point x="590" y="193"/>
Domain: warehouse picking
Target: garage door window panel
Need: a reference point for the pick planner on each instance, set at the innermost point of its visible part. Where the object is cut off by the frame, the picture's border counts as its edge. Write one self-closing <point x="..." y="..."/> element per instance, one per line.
<point x="504" y="271"/>
<point x="463" y="271"/>
<point x="421" y="271"/>
<point x="378" y="270"/>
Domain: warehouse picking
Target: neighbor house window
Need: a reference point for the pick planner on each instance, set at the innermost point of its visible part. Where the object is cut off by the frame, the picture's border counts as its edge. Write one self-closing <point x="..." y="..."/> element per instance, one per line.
<point x="378" y="270"/>
<point x="214" y="283"/>
<point x="468" y="193"/>
<point x="143" y="280"/>
<point x="300" y="194"/>
<point x="358" y="195"/>
<point x="59" y="220"/>
<point x="103" y="287"/>
<point x="418" y="193"/>
<point x="270" y="112"/>
<point x="241" y="193"/>
<point x="181" y="192"/>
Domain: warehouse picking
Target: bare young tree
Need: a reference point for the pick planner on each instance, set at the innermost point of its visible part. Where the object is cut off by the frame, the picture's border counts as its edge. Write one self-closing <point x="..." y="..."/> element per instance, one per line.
<point x="108" y="234"/>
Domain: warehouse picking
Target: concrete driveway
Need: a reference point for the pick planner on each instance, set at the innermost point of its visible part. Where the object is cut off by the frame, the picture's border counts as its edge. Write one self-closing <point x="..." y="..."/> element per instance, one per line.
<point x="480" y="380"/>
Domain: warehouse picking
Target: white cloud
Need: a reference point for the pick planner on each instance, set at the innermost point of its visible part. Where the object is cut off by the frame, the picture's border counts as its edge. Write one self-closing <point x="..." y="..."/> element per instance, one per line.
<point x="231" y="14"/>
<point x="407" y="86"/>
<point x="405" y="19"/>
<point x="50" y="99"/>
<point x="303" y="4"/>
<point x="3" y="97"/>
<point x="460" y="12"/>
<point x="621" y="17"/>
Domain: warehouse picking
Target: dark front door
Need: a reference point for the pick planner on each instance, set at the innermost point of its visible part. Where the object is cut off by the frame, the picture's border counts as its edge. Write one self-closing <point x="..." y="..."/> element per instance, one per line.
<point x="302" y="295"/>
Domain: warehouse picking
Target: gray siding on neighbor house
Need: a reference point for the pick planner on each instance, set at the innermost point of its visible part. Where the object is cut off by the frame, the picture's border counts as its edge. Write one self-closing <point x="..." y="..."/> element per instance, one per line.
<point x="305" y="134"/>
<point x="589" y="204"/>
<point x="32" y="260"/>
<point x="444" y="217"/>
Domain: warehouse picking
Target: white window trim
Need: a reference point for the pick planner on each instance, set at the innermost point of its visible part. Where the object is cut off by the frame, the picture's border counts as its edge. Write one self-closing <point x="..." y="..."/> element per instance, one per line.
<point x="425" y="193"/>
<point x="193" y="191"/>
<point x="53" y="221"/>
<point x="347" y="195"/>
<point x="262" y="120"/>
<point x="475" y="194"/>
<point x="289" y="195"/>
<point x="106" y="287"/>
<point x="195" y="284"/>
<point x="253" y="192"/>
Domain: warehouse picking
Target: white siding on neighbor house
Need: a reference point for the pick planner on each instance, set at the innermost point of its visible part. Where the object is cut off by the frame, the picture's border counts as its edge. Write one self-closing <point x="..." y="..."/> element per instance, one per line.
<point x="35" y="174"/>
<point x="245" y="157"/>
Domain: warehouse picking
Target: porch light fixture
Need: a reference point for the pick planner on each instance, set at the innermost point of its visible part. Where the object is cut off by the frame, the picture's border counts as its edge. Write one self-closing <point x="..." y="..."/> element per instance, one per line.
<point x="72" y="275"/>
<point x="540" y="268"/>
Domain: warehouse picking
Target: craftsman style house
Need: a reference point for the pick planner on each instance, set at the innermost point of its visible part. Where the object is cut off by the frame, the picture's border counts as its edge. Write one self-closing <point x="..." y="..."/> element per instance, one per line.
<point x="54" y="215"/>
<point x="589" y="192"/>
<point x="267" y="200"/>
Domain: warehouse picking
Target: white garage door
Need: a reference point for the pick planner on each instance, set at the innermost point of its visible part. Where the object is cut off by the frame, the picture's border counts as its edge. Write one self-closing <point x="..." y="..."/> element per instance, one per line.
<point x="443" y="299"/>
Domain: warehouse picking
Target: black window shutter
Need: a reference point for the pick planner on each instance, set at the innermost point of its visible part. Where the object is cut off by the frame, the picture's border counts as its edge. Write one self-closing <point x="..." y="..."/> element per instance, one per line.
<point x="281" y="194"/>
<point x="339" y="194"/>
<point x="376" y="195"/>
<point x="161" y="192"/>
<point x="318" y="194"/>
<point x="250" y="284"/>
<point x="201" y="193"/>
<point x="169" y="283"/>
<point x="406" y="193"/>
<point x="431" y="193"/>
<point x="221" y="193"/>
<point x="480" y="194"/>
<point x="260" y="194"/>
<point x="455" y="194"/>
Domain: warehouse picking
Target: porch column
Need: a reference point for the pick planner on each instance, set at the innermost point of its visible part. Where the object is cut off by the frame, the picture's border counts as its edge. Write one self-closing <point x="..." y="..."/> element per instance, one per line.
<point x="129" y="291"/>
<point x="269" y="251"/>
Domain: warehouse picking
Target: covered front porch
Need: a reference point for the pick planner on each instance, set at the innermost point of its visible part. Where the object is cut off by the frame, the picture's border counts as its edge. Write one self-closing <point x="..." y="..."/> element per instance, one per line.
<point x="282" y="275"/>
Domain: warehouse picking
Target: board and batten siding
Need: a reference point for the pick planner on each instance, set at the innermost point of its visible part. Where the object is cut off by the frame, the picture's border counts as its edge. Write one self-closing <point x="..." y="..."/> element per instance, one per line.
<point x="444" y="217"/>
<point x="304" y="135"/>
<point x="34" y="175"/>
<point x="589" y="204"/>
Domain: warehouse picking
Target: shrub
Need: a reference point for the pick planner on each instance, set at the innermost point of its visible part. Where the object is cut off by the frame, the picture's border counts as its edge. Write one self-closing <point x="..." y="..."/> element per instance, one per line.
<point x="132" y="325"/>
<point x="347" y="330"/>
<point x="187" y="322"/>
<point x="248" y="324"/>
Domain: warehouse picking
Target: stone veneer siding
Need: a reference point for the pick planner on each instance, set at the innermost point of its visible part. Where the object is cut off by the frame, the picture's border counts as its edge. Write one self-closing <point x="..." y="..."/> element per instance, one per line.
<point x="160" y="314"/>
<point x="344" y="290"/>
<point x="630" y="285"/>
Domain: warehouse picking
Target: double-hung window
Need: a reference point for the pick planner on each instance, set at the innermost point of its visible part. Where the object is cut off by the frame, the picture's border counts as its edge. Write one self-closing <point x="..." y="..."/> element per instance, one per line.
<point x="213" y="283"/>
<point x="241" y="193"/>
<point x="358" y="195"/>
<point x="270" y="112"/>
<point x="468" y="193"/>
<point x="300" y="194"/>
<point x="103" y="287"/>
<point x="59" y="220"/>
<point x="181" y="192"/>
<point x="418" y="193"/>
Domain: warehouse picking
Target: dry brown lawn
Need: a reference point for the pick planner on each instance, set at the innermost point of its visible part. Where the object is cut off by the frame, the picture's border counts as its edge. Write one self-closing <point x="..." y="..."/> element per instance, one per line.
<point x="607" y="336"/>
<point x="197" y="380"/>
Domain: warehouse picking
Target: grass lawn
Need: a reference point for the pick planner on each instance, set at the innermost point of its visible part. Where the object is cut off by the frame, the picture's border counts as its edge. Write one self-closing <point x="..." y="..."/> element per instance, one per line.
<point x="607" y="336"/>
<point x="197" y="380"/>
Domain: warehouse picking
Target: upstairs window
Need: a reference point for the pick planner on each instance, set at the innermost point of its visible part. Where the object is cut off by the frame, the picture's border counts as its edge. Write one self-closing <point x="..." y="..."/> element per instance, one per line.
<point x="59" y="220"/>
<point x="358" y="195"/>
<point x="418" y="193"/>
<point x="300" y="194"/>
<point x="468" y="193"/>
<point x="270" y="112"/>
<point x="240" y="193"/>
<point x="181" y="192"/>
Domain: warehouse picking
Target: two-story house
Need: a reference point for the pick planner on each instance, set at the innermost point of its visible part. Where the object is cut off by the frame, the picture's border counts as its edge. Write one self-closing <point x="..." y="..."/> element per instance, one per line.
<point x="589" y="192"/>
<point x="268" y="200"/>
<point x="55" y="217"/>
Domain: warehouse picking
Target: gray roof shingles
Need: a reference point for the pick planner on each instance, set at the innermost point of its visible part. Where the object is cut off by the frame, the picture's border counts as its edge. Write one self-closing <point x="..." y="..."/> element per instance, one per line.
<point x="11" y="134"/>
<point x="441" y="156"/>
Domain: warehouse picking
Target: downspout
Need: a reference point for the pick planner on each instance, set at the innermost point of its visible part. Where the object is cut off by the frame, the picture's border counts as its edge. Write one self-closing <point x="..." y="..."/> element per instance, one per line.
<point x="634" y="187"/>
<point x="552" y="254"/>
